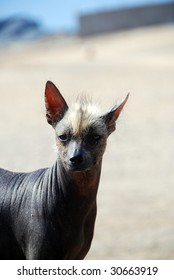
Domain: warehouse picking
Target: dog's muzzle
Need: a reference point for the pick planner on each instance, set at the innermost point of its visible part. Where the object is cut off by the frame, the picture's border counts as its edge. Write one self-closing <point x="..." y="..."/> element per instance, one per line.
<point x="79" y="161"/>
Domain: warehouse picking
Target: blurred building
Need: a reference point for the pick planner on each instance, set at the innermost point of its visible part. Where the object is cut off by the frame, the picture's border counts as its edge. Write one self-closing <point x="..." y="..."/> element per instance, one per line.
<point x="126" y="18"/>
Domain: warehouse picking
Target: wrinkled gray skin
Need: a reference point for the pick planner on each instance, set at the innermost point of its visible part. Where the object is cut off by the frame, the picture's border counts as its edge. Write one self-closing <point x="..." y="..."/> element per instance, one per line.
<point x="41" y="217"/>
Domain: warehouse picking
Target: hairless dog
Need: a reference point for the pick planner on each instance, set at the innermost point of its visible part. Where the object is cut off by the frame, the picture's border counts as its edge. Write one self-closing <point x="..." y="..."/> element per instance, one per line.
<point x="50" y="213"/>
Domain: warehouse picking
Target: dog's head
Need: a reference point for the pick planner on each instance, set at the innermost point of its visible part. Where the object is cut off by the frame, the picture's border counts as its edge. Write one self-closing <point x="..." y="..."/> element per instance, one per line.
<point x="81" y="132"/>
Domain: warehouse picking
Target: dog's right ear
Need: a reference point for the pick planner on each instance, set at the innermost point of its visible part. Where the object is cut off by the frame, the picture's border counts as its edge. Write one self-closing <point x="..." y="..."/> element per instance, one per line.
<point x="55" y="104"/>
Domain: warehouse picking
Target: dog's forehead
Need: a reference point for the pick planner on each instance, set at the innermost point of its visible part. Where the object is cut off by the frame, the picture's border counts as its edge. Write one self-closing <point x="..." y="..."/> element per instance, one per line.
<point x="80" y="117"/>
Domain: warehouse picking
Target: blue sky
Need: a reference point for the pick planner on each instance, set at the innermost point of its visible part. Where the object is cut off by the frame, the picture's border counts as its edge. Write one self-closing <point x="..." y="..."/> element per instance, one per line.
<point x="55" y="15"/>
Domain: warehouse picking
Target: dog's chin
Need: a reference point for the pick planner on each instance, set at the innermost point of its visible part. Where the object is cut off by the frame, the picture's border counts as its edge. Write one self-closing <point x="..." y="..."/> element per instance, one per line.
<point x="81" y="167"/>
<point x="78" y="168"/>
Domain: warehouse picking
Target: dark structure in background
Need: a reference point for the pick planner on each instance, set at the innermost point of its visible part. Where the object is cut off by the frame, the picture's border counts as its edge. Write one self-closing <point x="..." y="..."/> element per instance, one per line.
<point x="18" y="28"/>
<point x="126" y="18"/>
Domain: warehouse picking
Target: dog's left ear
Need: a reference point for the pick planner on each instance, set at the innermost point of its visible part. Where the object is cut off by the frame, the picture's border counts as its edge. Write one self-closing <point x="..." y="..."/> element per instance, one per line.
<point x="55" y="104"/>
<point x="111" y="117"/>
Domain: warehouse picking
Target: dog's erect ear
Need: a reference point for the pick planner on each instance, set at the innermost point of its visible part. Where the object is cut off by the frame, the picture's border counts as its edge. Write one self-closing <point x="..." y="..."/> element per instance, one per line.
<point x="55" y="104"/>
<point x="111" y="117"/>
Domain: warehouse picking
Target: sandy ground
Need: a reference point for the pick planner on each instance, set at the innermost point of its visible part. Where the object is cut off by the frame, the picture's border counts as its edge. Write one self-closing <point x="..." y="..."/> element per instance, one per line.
<point x="136" y="195"/>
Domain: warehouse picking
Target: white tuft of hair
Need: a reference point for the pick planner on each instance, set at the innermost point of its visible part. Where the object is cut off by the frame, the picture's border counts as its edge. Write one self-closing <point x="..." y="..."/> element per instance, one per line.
<point x="82" y="114"/>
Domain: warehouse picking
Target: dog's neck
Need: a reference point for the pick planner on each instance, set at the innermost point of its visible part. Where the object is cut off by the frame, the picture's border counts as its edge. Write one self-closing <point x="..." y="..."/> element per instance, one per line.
<point x="81" y="183"/>
<point x="73" y="192"/>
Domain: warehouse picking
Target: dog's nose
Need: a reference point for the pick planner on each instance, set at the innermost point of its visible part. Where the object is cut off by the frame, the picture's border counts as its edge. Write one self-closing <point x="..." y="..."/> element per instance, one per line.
<point x="77" y="159"/>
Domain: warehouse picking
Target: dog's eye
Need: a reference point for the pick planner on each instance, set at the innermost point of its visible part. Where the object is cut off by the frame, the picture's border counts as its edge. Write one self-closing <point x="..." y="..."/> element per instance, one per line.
<point x="96" y="138"/>
<point x="63" y="137"/>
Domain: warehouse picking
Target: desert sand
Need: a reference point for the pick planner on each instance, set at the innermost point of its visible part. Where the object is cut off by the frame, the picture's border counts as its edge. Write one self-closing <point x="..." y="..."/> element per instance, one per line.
<point x="135" y="217"/>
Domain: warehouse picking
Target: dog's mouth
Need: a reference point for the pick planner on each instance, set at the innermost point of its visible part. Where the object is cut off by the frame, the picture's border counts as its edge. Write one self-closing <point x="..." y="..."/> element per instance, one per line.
<point x="79" y="166"/>
<point x="78" y="169"/>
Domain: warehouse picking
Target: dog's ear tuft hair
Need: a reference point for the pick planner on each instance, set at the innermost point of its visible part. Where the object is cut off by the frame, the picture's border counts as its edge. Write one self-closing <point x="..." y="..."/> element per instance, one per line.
<point x="55" y="104"/>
